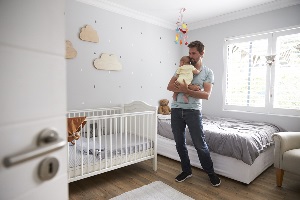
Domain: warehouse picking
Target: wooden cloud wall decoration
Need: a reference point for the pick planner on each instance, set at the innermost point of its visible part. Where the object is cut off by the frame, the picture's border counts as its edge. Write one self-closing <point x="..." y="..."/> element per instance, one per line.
<point x="87" y="33"/>
<point x="107" y="62"/>
<point x="70" y="50"/>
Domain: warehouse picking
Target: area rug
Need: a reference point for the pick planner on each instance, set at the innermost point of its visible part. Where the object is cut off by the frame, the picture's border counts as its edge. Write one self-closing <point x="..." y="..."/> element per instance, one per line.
<point x="156" y="190"/>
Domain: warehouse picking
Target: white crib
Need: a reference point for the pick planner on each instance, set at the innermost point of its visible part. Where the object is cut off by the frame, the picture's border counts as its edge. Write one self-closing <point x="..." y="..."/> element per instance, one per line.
<point x="112" y="138"/>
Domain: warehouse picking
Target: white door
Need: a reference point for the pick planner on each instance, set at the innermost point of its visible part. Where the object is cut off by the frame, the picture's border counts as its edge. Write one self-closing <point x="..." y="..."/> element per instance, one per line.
<point x="32" y="98"/>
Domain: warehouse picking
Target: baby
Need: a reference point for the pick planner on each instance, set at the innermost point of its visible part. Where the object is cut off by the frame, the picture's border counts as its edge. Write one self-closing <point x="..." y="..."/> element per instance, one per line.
<point x="185" y="71"/>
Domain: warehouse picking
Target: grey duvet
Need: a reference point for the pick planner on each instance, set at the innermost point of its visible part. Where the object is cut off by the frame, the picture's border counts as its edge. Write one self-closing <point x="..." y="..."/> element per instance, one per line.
<point x="240" y="139"/>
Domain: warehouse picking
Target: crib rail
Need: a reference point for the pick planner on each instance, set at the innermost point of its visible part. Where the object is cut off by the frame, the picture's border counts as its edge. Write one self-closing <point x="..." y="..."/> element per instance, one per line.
<point x="94" y="112"/>
<point x="111" y="139"/>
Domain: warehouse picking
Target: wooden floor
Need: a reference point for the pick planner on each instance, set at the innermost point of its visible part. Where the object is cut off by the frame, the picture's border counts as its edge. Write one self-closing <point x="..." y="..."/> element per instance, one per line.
<point x="114" y="183"/>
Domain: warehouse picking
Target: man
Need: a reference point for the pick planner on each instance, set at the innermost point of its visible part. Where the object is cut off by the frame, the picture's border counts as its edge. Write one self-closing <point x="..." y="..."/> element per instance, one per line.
<point x="189" y="114"/>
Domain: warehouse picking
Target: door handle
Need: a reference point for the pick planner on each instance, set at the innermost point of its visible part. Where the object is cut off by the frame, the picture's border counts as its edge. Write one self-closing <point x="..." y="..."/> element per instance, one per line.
<point x="48" y="141"/>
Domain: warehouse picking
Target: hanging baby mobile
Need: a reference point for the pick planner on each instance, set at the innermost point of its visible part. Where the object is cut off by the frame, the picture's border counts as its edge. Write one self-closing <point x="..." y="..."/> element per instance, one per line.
<point x="181" y="30"/>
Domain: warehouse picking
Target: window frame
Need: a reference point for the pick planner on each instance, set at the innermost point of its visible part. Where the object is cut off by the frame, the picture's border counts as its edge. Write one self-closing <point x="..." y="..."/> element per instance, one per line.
<point x="270" y="73"/>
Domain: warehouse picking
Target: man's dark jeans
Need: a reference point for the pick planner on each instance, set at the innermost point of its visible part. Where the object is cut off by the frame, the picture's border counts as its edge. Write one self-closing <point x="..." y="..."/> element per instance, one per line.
<point x="193" y="119"/>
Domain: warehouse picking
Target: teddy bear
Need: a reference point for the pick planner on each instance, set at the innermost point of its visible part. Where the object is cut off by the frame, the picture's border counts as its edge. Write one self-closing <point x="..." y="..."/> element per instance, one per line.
<point x="163" y="108"/>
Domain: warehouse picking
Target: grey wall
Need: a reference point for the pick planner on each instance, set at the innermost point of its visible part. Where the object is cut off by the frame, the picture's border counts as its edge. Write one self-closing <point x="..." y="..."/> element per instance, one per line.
<point x="150" y="57"/>
<point x="213" y="39"/>
<point x="147" y="52"/>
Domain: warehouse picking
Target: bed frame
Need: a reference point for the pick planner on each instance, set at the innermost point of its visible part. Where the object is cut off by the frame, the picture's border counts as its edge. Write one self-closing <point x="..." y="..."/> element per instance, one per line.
<point x="223" y="165"/>
<point x="112" y="138"/>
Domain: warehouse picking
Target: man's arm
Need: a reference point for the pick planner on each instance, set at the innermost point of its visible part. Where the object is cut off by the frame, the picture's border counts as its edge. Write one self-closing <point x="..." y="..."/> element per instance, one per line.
<point x="171" y="86"/>
<point x="194" y="87"/>
<point x="200" y="94"/>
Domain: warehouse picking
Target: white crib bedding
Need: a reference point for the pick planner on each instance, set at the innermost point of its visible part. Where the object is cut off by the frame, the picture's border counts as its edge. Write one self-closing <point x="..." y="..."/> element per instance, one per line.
<point x="115" y="145"/>
<point x="240" y="139"/>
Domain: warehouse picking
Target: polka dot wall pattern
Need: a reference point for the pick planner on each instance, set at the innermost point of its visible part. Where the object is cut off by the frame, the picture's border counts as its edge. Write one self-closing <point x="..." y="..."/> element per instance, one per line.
<point x="147" y="53"/>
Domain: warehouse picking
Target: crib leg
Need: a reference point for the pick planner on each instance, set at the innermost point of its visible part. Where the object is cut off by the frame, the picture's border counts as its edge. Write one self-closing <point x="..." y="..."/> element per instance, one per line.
<point x="154" y="162"/>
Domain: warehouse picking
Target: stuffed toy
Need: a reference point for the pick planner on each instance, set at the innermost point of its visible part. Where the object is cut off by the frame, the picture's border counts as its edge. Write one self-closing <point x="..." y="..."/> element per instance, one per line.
<point x="163" y="108"/>
<point x="74" y="126"/>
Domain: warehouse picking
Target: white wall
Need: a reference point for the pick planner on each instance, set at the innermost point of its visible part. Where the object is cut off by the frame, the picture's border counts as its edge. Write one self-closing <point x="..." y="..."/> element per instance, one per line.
<point x="147" y="52"/>
<point x="213" y="39"/>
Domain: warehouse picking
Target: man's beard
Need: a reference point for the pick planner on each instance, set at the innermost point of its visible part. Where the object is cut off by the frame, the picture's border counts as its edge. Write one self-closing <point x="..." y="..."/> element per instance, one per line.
<point x="193" y="62"/>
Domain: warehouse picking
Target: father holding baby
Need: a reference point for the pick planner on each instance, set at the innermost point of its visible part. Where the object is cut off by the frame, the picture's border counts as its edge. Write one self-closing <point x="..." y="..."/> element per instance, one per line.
<point x="189" y="114"/>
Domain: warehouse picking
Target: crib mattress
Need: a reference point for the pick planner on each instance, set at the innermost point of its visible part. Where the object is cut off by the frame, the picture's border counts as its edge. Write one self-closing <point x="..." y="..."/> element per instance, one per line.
<point x="94" y="149"/>
<point x="240" y="139"/>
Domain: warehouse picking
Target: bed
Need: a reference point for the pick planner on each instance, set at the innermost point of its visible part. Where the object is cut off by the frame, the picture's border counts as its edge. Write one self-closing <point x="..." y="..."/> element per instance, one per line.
<point x="240" y="150"/>
<point x="111" y="138"/>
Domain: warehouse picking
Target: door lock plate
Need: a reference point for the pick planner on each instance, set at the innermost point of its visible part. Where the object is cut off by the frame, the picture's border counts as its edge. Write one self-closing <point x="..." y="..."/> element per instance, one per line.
<point x="48" y="168"/>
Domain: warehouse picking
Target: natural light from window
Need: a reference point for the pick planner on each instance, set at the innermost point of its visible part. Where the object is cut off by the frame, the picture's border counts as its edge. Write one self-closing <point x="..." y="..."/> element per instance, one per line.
<point x="257" y="82"/>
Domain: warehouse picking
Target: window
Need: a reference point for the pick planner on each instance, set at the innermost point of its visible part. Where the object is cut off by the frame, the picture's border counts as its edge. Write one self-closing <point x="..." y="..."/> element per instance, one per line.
<point x="262" y="73"/>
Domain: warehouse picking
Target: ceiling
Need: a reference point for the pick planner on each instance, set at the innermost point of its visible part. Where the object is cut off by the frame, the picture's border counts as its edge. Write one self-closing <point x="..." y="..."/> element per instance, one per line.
<point x="196" y="10"/>
<point x="167" y="12"/>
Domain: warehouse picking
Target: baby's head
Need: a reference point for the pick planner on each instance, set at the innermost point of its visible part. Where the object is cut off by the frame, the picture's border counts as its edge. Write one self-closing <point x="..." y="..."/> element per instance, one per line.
<point x="185" y="60"/>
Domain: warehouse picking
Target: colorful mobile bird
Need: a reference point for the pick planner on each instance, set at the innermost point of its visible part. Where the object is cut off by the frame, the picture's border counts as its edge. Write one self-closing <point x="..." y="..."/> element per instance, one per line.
<point x="181" y="30"/>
